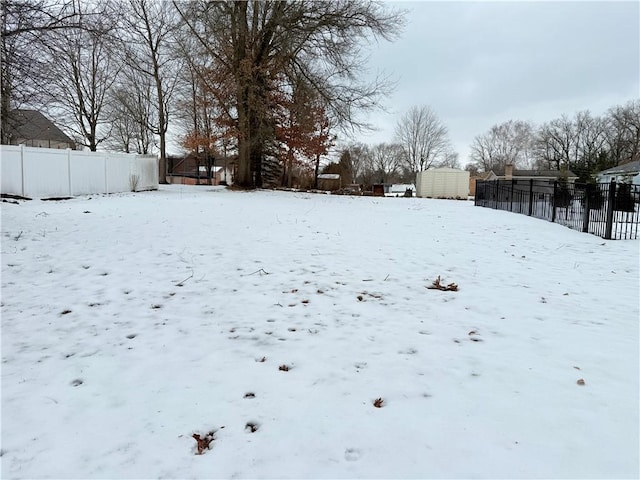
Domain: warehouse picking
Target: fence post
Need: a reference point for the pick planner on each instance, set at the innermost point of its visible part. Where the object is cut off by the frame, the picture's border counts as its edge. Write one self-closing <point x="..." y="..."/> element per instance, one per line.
<point x="511" y="195"/>
<point x="530" y="196"/>
<point x="553" y="201"/>
<point x="69" y="170"/>
<point x="587" y="207"/>
<point x="22" y="168"/>
<point x="610" y="209"/>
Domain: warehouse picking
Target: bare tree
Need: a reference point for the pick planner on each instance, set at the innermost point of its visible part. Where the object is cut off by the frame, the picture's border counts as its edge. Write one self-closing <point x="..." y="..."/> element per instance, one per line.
<point x="506" y="143"/>
<point x="424" y="138"/>
<point x="450" y="159"/>
<point x="472" y="168"/>
<point x="623" y="132"/>
<point x="131" y="112"/>
<point x="556" y="144"/>
<point x="256" y="43"/>
<point x="82" y="69"/>
<point x="353" y="160"/>
<point x="26" y="24"/>
<point x="590" y="143"/>
<point x="149" y="29"/>
<point x="387" y="159"/>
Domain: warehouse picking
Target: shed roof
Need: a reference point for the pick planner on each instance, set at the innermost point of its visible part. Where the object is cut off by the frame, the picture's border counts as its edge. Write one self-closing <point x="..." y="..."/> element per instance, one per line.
<point x="329" y="176"/>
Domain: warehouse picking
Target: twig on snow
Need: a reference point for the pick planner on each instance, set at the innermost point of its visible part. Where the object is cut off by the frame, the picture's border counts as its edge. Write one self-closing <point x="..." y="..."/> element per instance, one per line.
<point x="181" y="284"/>
<point x="261" y="272"/>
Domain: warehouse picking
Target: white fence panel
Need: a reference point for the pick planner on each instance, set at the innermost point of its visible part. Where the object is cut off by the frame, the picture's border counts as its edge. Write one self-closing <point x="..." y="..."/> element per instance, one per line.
<point x="46" y="172"/>
<point x="87" y="173"/>
<point x="118" y="172"/>
<point x="145" y="167"/>
<point x="11" y="169"/>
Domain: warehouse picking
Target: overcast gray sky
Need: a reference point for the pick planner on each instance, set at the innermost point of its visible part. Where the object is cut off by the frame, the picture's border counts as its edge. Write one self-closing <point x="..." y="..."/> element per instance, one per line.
<point x="481" y="63"/>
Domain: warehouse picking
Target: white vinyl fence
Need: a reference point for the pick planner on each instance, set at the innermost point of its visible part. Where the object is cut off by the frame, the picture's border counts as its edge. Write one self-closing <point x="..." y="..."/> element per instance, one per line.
<point x="47" y="172"/>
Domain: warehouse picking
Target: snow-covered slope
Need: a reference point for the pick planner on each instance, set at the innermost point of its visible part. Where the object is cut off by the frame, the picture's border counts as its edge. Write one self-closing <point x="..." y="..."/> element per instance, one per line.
<point x="133" y="321"/>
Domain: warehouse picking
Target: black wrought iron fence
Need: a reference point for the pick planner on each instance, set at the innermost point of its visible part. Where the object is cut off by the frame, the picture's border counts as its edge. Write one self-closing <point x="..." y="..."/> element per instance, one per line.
<point x="609" y="210"/>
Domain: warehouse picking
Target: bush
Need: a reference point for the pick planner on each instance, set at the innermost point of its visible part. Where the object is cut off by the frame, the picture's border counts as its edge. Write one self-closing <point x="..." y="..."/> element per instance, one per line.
<point x="624" y="201"/>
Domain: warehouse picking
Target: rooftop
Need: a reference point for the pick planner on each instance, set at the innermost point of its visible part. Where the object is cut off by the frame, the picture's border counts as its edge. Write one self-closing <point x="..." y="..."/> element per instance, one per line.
<point x="33" y="125"/>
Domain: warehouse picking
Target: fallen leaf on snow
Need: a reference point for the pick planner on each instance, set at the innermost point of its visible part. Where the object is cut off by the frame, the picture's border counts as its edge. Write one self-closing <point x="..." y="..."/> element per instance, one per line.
<point x="436" y="285"/>
<point x="203" y="443"/>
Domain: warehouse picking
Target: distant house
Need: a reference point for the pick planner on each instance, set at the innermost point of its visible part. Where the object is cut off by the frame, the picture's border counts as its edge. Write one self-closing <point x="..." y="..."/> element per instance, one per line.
<point x="329" y="181"/>
<point x="33" y="129"/>
<point x="191" y="169"/>
<point x="549" y="175"/>
<point x="222" y="175"/>
<point x="483" y="177"/>
<point x="626" y="173"/>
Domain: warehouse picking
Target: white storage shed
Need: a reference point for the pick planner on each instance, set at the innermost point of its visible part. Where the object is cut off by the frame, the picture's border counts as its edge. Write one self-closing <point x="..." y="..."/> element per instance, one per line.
<point x="443" y="183"/>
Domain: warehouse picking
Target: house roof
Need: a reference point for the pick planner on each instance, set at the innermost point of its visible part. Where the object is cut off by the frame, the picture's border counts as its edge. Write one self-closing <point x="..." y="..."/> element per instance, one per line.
<point x="329" y="176"/>
<point x="631" y="167"/>
<point x="484" y="176"/>
<point x="542" y="173"/>
<point x="445" y="169"/>
<point x="33" y="125"/>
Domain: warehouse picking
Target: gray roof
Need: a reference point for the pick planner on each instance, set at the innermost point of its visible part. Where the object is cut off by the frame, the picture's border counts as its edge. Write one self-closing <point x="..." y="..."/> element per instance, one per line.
<point x="33" y="125"/>
<point x="631" y="167"/>
<point x="541" y="173"/>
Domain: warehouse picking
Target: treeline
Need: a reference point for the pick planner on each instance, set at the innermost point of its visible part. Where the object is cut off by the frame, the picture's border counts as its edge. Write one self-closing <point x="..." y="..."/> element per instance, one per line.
<point x="421" y="141"/>
<point x="584" y="143"/>
<point x="262" y="81"/>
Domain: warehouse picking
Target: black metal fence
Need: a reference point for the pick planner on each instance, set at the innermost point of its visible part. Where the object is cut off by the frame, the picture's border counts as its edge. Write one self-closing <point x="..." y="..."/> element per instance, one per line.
<point x="609" y="210"/>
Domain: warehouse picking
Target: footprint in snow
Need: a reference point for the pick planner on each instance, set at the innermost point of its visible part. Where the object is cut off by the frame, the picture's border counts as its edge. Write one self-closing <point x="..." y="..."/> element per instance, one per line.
<point x="352" y="454"/>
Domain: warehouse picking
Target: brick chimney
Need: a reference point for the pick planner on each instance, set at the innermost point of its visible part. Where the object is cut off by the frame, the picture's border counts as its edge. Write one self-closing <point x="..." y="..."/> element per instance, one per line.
<point x="508" y="171"/>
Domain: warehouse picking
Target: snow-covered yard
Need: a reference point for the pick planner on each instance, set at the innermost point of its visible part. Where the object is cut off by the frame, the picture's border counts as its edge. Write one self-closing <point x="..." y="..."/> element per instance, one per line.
<point x="131" y="322"/>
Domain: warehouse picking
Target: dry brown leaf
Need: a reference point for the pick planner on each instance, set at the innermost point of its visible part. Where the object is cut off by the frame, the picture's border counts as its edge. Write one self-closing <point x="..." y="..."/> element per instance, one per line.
<point x="252" y="427"/>
<point x="436" y="285"/>
<point x="203" y="443"/>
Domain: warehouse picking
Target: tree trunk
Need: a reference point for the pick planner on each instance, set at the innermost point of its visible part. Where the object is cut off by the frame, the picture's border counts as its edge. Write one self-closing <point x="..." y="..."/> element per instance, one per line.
<point x="162" y="167"/>
<point x="244" y="179"/>
<point x="239" y="31"/>
<point x="162" y="126"/>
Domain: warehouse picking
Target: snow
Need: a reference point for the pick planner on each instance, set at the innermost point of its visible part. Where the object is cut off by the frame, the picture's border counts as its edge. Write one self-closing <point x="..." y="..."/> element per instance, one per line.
<point x="174" y="297"/>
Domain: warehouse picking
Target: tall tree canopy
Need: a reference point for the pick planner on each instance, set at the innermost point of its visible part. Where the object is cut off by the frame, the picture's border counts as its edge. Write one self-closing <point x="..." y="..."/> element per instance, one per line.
<point x="424" y="138"/>
<point x="259" y="46"/>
